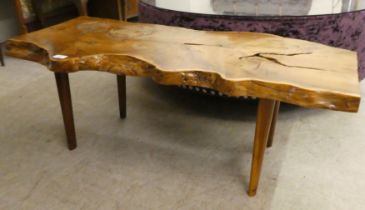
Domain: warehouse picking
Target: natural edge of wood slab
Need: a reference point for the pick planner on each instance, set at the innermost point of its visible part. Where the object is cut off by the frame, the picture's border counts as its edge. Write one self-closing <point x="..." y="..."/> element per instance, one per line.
<point x="77" y="37"/>
<point x="132" y="66"/>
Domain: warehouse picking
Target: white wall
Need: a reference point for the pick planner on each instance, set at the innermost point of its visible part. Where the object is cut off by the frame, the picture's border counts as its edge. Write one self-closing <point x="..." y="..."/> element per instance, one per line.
<point x="201" y="6"/>
<point x="360" y="4"/>
<point x="174" y="4"/>
<point x="325" y="7"/>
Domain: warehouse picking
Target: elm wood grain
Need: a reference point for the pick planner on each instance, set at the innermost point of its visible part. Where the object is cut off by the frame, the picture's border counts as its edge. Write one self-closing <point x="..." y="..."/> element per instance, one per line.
<point x="273" y="124"/>
<point x="265" y="113"/>
<point x="122" y="96"/>
<point x="234" y="63"/>
<point x="64" y="93"/>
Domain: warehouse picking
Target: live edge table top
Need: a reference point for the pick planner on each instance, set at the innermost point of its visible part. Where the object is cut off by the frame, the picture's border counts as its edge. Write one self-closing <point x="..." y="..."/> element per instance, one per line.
<point x="235" y="63"/>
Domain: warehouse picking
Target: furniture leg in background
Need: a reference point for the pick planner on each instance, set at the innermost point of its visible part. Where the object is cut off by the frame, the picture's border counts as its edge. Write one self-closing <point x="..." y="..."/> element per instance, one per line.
<point x="265" y="113"/>
<point x="81" y="6"/>
<point x="122" y="96"/>
<point x="114" y="9"/>
<point x="1" y="55"/>
<point x="64" y="93"/>
<point x="273" y="124"/>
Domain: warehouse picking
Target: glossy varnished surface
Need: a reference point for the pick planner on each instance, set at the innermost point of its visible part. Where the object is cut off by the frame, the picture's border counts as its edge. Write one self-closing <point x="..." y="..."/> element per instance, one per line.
<point x="235" y="63"/>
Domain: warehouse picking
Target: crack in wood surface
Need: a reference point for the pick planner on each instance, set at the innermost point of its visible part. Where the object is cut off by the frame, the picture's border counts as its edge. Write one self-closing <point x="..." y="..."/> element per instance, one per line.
<point x="208" y="45"/>
<point x="274" y="60"/>
<point x="262" y="55"/>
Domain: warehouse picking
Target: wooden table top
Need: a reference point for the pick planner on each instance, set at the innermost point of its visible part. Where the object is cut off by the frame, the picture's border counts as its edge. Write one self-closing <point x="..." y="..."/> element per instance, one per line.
<point x="235" y="63"/>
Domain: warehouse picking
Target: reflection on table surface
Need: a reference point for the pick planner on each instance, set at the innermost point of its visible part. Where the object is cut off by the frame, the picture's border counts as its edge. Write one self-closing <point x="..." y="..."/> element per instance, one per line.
<point x="261" y="7"/>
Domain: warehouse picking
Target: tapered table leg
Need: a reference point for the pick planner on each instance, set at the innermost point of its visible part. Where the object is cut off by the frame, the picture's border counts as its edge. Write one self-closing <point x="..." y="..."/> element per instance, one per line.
<point x="265" y="113"/>
<point x="273" y="124"/>
<point x="122" y="96"/>
<point x="63" y="87"/>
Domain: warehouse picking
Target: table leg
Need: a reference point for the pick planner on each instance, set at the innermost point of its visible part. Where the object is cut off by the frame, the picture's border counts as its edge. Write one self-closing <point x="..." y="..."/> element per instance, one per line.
<point x="265" y="114"/>
<point x="273" y="124"/>
<point x="1" y="55"/>
<point x="122" y="95"/>
<point x="64" y="93"/>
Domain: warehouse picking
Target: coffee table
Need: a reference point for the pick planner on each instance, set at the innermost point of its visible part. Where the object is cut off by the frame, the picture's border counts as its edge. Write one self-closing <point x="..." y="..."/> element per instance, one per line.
<point x="339" y="23"/>
<point x="266" y="66"/>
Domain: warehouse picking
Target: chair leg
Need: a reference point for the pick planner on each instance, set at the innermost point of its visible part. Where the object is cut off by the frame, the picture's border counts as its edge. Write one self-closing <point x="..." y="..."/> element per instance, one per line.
<point x="273" y="124"/>
<point x="64" y="93"/>
<point x="1" y="55"/>
<point x="81" y="6"/>
<point x="122" y="96"/>
<point x="265" y="113"/>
